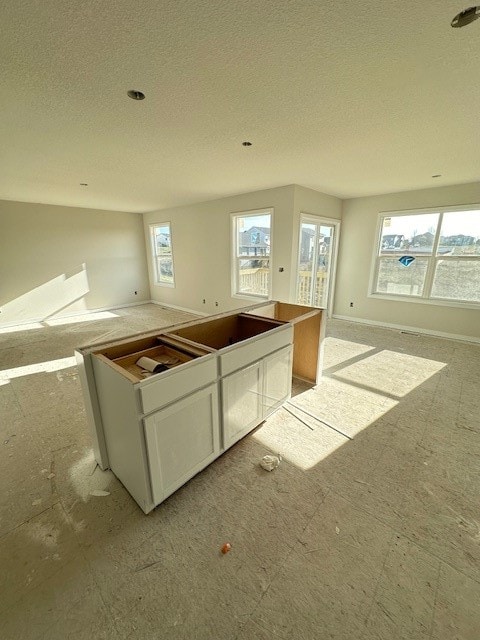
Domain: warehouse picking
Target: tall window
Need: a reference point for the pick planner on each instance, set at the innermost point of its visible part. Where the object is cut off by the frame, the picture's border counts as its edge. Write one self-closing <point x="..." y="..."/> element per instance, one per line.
<point x="430" y="255"/>
<point x="162" y="253"/>
<point x="251" y="251"/>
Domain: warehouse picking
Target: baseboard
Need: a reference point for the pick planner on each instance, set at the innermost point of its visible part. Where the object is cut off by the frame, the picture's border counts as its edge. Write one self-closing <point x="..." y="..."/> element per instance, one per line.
<point x="401" y="327"/>
<point x="86" y="312"/>
<point x="177" y="308"/>
<point x="117" y="306"/>
<point x="83" y="312"/>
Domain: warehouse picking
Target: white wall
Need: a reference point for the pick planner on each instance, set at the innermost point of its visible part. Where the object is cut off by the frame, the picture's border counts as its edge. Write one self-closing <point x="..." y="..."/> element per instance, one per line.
<point x="202" y="252"/>
<point x="43" y="248"/>
<point x="316" y="203"/>
<point x="201" y="236"/>
<point x="42" y="252"/>
<point x="357" y="240"/>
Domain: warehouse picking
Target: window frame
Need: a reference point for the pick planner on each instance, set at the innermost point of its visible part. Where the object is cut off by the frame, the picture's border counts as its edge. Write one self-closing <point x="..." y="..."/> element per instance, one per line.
<point x="235" y="258"/>
<point x="156" y="271"/>
<point x="432" y="260"/>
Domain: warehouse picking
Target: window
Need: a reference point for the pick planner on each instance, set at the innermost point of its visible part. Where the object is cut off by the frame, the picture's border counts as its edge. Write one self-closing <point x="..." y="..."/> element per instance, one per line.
<point x="251" y="252"/>
<point x="162" y="253"/>
<point x="430" y="256"/>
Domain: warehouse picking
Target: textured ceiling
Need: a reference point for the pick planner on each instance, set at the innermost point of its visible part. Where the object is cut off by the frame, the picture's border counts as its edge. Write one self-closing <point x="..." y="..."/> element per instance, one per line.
<point x="349" y="98"/>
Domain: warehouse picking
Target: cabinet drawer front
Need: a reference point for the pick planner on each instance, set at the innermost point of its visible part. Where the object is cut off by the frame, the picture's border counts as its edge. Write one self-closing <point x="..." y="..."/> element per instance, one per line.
<point x="241" y="355"/>
<point x="177" y="383"/>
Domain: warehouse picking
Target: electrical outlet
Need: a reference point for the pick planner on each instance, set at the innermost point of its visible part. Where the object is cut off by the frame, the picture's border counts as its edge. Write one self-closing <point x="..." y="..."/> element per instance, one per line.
<point x="216" y="304"/>
<point x="135" y="292"/>
<point x="351" y="304"/>
<point x="204" y="301"/>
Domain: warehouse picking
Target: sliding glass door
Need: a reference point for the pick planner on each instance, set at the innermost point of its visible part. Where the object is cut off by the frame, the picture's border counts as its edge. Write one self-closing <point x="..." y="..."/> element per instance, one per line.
<point x="317" y="252"/>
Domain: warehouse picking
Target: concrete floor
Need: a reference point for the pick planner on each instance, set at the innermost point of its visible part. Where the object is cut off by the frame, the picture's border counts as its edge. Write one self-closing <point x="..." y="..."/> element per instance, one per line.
<point x="367" y="530"/>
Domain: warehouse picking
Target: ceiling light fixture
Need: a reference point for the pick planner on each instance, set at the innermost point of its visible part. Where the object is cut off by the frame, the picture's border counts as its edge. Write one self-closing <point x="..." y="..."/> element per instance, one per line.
<point x="246" y="143"/>
<point x="466" y="17"/>
<point x="135" y="95"/>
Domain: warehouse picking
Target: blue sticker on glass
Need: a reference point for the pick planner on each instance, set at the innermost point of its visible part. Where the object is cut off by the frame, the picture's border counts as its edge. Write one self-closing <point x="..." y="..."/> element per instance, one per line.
<point x="406" y="260"/>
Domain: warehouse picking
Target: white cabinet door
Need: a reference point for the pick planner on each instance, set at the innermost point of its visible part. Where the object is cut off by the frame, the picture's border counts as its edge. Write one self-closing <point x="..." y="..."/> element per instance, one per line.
<point x="182" y="439"/>
<point x="277" y="379"/>
<point x="242" y="402"/>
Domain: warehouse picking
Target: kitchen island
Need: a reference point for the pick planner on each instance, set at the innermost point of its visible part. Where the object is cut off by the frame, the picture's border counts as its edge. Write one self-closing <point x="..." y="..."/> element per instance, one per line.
<point x="219" y="378"/>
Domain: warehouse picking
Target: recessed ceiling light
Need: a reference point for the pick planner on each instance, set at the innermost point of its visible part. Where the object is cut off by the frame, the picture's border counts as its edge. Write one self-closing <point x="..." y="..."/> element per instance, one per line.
<point x="437" y="175"/>
<point x="84" y="184"/>
<point x="466" y="17"/>
<point x="135" y="95"/>
<point x="246" y="143"/>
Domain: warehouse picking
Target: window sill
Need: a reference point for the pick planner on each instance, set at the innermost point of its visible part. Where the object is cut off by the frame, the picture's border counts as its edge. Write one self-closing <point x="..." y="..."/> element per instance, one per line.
<point x="251" y="296"/>
<point x="438" y="302"/>
<point x="164" y="284"/>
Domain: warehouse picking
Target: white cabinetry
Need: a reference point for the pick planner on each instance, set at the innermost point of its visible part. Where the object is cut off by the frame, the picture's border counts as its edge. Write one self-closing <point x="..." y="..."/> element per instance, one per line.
<point x="225" y="375"/>
<point x="251" y="394"/>
<point x="277" y="379"/>
<point x="182" y="439"/>
<point x="242" y="402"/>
<point x="147" y="423"/>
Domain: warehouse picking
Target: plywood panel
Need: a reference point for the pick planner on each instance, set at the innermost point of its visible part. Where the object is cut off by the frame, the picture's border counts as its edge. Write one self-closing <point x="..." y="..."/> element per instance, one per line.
<point x="155" y="353"/>
<point x="223" y="332"/>
<point x="214" y="333"/>
<point x="183" y="344"/>
<point x="125" y="348"/>
<point x="288" y="312"/>
<point x="307" y="337"/>
<point x="306" y="348"/>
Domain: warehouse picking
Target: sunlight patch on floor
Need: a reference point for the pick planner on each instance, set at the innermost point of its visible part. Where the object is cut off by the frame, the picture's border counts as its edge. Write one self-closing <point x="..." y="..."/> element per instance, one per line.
<point x="305" y="441"/>
<point x="21" y="327"/>
<point x="285" y="435"/>
<point x="83" y="317"/>
<point x="390" y="372"/>
<point x="58" y="322"/>
<point x="40" y="367"/>
<point x="343" y="405"/>
<point x="338" y="351"/>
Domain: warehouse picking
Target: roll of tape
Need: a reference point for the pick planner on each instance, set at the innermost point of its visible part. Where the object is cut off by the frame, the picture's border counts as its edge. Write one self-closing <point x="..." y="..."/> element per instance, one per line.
<point x="150" y="365"/>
